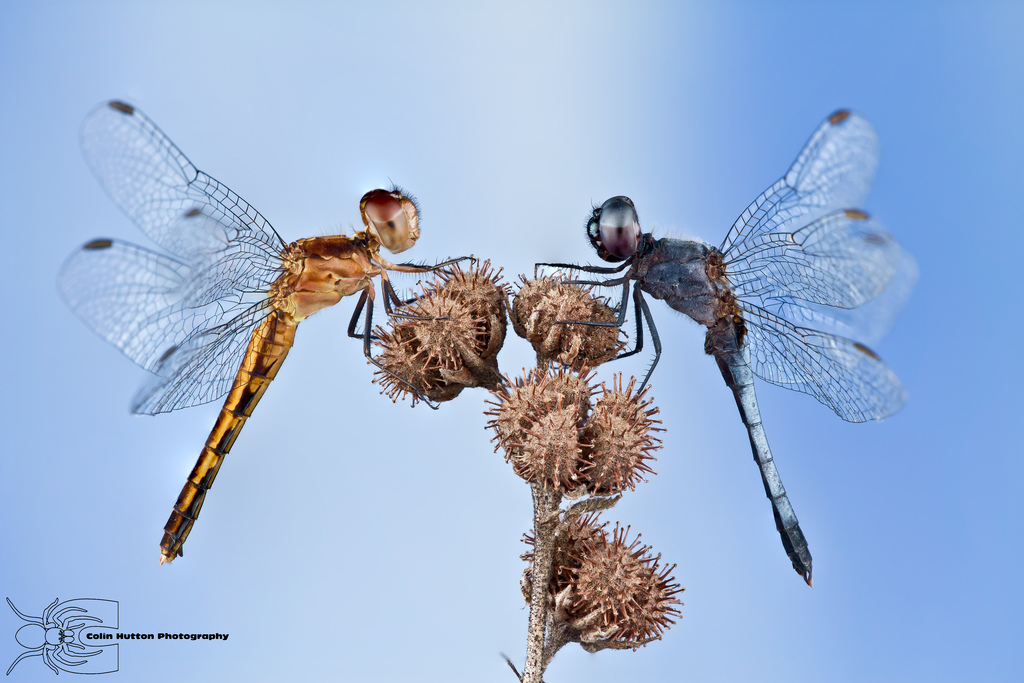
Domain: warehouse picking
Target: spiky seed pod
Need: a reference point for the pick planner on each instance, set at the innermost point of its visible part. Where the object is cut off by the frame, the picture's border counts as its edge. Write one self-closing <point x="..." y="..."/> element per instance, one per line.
<point x="512" y="414"/>
<point x="537" y="421"/>
<point x="550" y="452"/>
<point x="526" y="300"/>
<point x="483" y="292"/>
<point x="452" y="343"/>
<point x="618" y="439"/>
<point x="570" y="543"/>
<point x="537" y="314"/>
<point x="606" y="591"/>
<point x="521" y="400"/>
<point x="618" y="593"/>
<point x="420" y="357"/>
<point x="571" y="386"/>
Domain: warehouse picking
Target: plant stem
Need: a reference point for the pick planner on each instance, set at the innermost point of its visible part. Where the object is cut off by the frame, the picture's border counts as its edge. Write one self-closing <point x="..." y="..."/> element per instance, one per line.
<point x="545" y="503"/>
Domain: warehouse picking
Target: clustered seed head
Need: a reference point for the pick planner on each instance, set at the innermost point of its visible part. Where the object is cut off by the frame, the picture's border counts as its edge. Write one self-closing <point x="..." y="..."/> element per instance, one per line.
<point x="552" y="434"/>
<point x="453" y="342"/>
<point x="538" y="314"/>
<point x="607" y="591"/>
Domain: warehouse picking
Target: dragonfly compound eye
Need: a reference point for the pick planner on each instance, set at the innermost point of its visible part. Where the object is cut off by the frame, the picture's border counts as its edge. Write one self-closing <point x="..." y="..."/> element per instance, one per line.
<point x="392" y="218"/>
<point x="614" y="229"/>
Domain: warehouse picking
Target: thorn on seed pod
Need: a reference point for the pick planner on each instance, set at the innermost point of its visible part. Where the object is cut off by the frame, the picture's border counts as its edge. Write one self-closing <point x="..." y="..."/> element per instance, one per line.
<point x="454" y="341"/>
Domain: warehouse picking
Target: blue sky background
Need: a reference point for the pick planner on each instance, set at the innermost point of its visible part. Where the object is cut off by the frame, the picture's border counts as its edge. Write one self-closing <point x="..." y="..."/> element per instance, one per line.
<point x="348" y="538"/>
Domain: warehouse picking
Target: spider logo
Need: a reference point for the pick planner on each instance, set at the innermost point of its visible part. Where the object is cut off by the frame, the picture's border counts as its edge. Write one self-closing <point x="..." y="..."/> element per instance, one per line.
<point x="56" y="636"/>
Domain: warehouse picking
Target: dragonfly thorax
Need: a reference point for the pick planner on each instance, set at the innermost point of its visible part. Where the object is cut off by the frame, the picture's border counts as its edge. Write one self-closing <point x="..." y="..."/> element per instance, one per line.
<point x="677" y="272"/>
<point x="319" y="272"/>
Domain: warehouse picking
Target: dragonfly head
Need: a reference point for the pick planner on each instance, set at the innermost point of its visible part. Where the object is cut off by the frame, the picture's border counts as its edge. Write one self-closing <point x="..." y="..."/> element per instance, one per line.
<point x="614" y="229"/>
<point x="391" y="217"/>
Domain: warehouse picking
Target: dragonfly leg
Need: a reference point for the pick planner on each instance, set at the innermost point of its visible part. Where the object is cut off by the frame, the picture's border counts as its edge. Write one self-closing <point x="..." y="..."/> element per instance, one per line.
<point x="445" y="264"/>
<point x="389" y="291"/>
<point x="639" y="344"/>
<point x="623" y="305"/>
<point x="367" y="328"/>
<point x="640" y="304"/>
<point x="417" y="268"/>
<point x="354" y="321"/>
<point x="391" y="296"/>
<point x="599" y="270"/>
<point x="620" y="318"/>
<point x="368" y="349"/>
<point x="640" y="308"/>
<point x="614" y="282"/>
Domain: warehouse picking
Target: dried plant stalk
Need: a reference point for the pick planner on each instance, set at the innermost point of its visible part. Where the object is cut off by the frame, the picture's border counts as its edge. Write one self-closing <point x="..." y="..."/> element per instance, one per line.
<point x="582" y="585"/>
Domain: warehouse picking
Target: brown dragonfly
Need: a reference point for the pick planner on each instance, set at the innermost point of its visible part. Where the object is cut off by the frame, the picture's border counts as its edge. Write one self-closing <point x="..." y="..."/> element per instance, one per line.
<point x="217" y="313"/>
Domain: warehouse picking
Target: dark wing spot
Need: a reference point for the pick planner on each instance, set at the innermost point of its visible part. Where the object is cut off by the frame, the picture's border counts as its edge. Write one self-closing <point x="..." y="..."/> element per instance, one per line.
<point x="167" y="354"/>
<point x="875" y="238"/>
<point x="193" y="212"/>
<point x="98" y="244"/>
<point x="856" y="214"/>
<point x="839" y="116"/>
<point x="865" y="350"/>
<point x="122" y="107"/>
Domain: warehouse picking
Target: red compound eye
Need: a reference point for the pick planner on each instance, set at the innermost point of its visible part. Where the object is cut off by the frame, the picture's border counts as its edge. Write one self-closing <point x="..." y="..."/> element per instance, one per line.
<point x="391" y="217"/>
<point x="380" y="206"/>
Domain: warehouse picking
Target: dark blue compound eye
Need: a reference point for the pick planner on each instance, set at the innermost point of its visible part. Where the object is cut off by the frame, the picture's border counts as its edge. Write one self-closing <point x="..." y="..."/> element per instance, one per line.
<point x="614" y="229"/>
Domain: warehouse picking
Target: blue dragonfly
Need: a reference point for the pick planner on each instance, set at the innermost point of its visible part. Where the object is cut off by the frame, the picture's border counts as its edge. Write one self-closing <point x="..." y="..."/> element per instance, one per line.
<point x="778" y="296"/>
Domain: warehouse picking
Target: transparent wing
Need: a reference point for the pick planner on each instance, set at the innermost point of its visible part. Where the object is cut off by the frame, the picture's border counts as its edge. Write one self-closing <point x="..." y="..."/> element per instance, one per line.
<point x="186" y="317"/>
<point x="867" y="323"/>
<point x="843" y="259"/>
<point x="203" y="368"/>
<point x="833" y="171"/>
<point x="146" y="303"/>
<point x="130" y="296"/>
<point x="845" y="375"/>
<point x="156" y="185"/>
